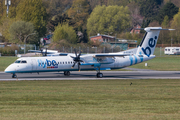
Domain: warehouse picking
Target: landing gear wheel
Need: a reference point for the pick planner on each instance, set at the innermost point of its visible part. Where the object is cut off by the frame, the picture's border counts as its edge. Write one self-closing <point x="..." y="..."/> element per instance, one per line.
<point x="14" y="76"/>
<point x="99" y="75"/>
<point x="66" y="73"/>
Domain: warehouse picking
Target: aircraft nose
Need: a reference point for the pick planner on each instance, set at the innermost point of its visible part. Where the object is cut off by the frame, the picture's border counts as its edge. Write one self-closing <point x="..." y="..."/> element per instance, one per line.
<point x="9" y="69"/>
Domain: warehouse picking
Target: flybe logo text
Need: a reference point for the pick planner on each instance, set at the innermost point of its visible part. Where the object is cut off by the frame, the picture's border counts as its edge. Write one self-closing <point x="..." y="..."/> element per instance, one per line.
<point x="47" y="63"/>
<point x="151" y="44"/>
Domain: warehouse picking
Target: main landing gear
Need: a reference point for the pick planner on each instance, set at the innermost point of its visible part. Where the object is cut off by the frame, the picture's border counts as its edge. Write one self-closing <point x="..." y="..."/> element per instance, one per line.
<point x="14" y="75"/>
<point x="66" y="73"/>
<point x="99" y="74"/>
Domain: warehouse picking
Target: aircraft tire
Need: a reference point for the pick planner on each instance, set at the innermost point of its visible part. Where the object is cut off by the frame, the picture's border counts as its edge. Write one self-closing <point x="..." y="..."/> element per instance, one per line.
<point x="99" y="75"/>
<point x="66" y="73"/>
<point x="14" y="76"/>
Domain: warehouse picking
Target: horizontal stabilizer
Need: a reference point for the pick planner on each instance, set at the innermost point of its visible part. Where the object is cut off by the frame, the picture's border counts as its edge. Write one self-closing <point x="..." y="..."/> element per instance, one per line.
<point x="152" y="28"/>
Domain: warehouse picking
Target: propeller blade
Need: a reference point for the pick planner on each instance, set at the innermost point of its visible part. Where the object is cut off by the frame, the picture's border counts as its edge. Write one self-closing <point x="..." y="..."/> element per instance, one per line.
<point x="74" y="64"/>
<point x="72" y="57"/>
<point x="75" y="52"/>
<point x="45" y="52"/>
<point x="41" y="51"/>
<point x="81" y="61"/>
<point x="79" y="66"/>
<point x="79" y="54"/>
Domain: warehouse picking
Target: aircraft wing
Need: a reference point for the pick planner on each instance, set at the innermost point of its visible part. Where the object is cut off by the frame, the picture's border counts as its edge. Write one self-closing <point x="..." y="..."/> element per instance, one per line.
<point x="110" y="55"/>
<point x="119" y="54"/>
<point x="97" y="59"/>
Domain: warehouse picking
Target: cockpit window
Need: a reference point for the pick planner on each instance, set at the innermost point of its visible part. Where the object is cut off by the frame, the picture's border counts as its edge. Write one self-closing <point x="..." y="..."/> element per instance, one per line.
<point x="23" y="61"/>
<point x="17" y="61"/>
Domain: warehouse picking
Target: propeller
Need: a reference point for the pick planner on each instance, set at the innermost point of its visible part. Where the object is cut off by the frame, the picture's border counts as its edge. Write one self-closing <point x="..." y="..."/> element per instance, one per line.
<point x="77" y="59"/>
<point x="43" y="54"/>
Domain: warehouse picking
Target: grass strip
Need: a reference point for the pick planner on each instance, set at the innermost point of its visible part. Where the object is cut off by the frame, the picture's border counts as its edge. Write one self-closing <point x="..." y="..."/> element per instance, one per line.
<point x="95" y="100"/>
<point x="5" y="62"/>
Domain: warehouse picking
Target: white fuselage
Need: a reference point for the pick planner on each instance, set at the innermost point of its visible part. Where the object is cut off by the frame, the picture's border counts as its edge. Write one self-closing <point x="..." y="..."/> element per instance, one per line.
<point x="64" y="63"/>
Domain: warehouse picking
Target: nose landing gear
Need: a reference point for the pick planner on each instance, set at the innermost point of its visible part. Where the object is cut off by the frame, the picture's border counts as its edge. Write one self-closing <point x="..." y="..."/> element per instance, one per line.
<point x="14" y="75"/>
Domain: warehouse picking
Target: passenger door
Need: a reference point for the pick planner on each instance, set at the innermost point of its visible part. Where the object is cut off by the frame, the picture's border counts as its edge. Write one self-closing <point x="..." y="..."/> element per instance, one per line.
<point x="33" y="64"/>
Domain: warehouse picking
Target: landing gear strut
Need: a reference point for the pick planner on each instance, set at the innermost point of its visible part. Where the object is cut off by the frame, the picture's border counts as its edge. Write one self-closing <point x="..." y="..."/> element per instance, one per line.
<point x="14" y="75"/>
<point x="66" y="73"/>
<point x="99" y="74"/>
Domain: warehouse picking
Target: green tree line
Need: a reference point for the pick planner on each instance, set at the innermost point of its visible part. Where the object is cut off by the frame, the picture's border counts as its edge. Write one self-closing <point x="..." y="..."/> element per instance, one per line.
<point x="74" y="21"/>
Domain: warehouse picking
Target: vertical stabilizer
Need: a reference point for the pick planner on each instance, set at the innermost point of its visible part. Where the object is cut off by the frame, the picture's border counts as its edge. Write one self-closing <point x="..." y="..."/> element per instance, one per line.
<point x="149" y="41"/>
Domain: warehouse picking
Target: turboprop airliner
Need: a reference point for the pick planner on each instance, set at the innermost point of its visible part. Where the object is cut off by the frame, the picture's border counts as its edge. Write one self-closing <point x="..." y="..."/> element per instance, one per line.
<point x="76" y="62"/>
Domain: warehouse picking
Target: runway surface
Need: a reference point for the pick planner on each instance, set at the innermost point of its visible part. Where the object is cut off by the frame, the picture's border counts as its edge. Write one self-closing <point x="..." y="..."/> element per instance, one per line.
<point x="91" y="75"/>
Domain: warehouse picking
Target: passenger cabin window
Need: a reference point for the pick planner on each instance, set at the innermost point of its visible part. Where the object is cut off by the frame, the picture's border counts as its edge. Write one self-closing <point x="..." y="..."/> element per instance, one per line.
<point x="140" y="55"/>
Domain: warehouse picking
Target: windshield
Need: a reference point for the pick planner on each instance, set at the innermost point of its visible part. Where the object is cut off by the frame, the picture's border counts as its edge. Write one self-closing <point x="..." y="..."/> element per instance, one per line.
<point x="17" y="61"/>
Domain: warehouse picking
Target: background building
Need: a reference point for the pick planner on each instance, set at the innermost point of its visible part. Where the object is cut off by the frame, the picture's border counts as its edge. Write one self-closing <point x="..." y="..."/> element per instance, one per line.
<point x="113" y="41"/>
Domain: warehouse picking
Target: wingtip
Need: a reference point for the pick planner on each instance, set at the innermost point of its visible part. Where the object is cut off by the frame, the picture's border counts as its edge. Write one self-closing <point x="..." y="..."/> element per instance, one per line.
<point x="172" y="29"/>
